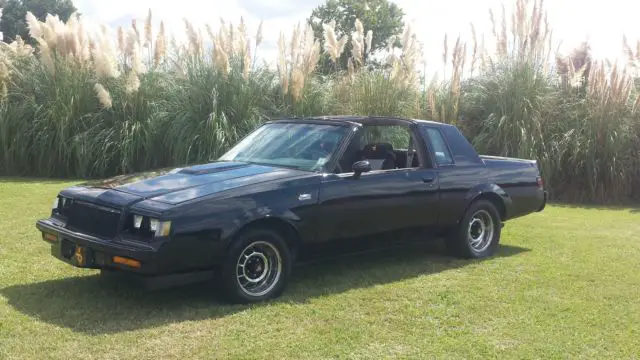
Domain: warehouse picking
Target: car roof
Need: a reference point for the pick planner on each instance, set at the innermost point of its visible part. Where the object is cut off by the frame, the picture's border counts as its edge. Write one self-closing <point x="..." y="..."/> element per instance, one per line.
<point x="360" y="120"/>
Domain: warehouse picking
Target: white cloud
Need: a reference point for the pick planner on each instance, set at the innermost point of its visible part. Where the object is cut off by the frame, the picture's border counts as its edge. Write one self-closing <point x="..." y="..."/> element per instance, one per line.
<point x="571" y="20"/>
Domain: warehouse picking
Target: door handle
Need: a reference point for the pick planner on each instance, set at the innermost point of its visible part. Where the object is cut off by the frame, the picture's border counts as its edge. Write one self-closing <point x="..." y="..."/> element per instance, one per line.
<point x="428" y="178"/>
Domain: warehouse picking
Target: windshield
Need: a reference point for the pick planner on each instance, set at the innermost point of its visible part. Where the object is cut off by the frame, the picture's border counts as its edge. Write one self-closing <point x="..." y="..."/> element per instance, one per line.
<point x="301" y="146"/>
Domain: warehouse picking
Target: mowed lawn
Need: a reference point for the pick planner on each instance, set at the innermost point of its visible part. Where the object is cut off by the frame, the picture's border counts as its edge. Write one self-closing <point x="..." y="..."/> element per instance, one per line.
<point x="565" y="284"/>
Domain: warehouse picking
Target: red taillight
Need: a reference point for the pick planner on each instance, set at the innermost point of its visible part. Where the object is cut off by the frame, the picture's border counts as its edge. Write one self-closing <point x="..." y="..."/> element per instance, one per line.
<point x="540" y="182"/>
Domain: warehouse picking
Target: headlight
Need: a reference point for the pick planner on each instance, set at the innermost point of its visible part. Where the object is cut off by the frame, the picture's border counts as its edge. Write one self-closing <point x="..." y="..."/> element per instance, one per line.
<point x="60" y="204"/>
<point x="137" y="221"/>
<point x="153" y="226"/>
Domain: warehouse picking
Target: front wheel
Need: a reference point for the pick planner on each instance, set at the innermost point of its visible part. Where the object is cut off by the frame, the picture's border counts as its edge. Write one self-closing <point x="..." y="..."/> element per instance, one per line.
<point x="478" y="234"/>
<point x="256" y="267"/>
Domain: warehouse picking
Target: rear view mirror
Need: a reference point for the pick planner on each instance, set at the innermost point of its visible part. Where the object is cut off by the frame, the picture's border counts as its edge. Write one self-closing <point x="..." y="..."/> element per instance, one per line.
<point x="360" y="167"/>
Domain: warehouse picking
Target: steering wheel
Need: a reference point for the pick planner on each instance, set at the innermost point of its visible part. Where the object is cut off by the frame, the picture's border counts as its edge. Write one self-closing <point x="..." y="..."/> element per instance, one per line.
<point x="319" y="152"/>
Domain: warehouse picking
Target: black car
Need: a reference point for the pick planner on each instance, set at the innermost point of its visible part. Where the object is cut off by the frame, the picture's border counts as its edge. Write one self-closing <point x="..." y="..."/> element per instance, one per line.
<point x="291" y="190"/>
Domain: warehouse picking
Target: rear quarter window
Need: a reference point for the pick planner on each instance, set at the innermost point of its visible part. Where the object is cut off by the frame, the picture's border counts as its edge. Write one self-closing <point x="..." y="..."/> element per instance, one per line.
<point x="463" y="151"/>
<point x="438" y="145"/>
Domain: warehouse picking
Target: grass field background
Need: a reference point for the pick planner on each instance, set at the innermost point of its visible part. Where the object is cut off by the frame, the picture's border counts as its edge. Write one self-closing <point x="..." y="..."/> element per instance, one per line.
<point x="565" y="284"/>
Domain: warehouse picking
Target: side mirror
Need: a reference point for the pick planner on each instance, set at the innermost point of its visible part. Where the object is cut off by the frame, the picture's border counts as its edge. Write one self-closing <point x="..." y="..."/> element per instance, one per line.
<point x="360" y="167"/>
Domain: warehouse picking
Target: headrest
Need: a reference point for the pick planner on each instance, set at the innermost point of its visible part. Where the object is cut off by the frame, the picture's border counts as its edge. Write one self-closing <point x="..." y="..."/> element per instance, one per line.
<point x="328" y="146"/>
<point x="378" y="151"/>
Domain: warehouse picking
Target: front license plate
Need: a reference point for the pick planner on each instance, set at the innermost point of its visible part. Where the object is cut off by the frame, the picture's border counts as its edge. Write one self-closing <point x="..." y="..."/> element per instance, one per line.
<point x="80" y="256"/>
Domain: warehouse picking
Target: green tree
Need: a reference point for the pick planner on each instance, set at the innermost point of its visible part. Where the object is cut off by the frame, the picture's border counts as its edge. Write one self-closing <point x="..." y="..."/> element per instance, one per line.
<point x="383" y="17"/>
<point x="14" y="12"/>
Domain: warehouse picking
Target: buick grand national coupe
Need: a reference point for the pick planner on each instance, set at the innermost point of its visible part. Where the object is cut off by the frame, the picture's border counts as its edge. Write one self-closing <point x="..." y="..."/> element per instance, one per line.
<point x="290" y="190"/>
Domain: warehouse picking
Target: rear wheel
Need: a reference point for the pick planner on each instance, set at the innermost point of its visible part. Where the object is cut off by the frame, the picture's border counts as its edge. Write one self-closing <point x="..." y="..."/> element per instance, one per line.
<point x="478" y="234"/>
<point x="256" y="267"/>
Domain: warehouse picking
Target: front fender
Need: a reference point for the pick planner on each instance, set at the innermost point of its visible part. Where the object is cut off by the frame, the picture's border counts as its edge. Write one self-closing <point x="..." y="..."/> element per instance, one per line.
<point x="283" y="216"/>
<point x="209" y="236"/>
<point x="210" y="224"/>
<point x="295" y="221"/>
<point x="286" y="223"/>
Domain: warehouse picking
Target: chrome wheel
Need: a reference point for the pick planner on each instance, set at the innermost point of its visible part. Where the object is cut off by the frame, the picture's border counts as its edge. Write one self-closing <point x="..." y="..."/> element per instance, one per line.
<point x="480" y="231"/>
<point x="259" y="268"/>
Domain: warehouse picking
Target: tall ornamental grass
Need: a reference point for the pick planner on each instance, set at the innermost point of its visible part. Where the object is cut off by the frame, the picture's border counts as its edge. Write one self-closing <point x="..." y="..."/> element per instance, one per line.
<point x="576" y="116"/>
<point x="87" y="104"/>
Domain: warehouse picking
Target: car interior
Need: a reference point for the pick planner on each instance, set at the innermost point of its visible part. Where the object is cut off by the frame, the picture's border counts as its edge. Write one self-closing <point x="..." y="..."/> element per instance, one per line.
<point x="378" y="148"/>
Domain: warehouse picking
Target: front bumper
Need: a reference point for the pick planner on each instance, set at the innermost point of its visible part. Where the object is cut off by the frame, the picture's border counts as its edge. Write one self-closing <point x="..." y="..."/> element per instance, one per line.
<point x="86" y="251"/>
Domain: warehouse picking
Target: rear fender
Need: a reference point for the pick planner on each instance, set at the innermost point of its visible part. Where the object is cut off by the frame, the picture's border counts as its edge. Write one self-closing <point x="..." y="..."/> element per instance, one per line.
<point x="494" y="193"/>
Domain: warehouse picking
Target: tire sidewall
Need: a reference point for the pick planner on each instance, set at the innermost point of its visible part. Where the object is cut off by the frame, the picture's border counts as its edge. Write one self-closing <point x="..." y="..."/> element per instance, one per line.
<point x="228" y="278"/>
<point x="462" y="235"/>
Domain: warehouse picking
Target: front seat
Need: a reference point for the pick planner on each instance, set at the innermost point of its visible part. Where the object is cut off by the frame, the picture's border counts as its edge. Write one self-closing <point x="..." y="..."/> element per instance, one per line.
<point x="380" y="156"/>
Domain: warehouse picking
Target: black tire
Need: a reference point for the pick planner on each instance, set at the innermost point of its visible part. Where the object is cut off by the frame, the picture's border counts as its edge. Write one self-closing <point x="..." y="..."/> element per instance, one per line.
<point x="253" y="254"/>
<point x="480" y="219"/>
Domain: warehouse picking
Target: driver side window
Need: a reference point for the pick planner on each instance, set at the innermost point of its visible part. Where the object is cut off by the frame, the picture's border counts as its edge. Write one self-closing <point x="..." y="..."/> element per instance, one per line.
<point x="386" y="147"/>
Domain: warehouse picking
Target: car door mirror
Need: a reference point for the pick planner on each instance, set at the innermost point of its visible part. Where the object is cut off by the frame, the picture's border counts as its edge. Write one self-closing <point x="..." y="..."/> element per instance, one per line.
<point x="360" y="167"/>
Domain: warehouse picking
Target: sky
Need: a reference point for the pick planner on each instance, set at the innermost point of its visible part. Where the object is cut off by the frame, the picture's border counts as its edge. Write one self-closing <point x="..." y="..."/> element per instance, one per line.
<point x="572" y="21"/>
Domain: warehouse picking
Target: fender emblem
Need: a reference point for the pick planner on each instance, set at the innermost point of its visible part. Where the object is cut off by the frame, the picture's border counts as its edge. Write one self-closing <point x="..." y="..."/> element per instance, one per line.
<point x="303" y="197"/>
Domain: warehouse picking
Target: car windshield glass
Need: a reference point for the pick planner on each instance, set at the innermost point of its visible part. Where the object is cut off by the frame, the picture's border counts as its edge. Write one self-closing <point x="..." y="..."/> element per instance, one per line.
<point x="301" y="146"/>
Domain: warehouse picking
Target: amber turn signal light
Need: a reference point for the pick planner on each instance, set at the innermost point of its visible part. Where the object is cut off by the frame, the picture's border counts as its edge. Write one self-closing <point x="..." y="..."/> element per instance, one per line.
<point x="50" y="237"/>
<point x="125" y="261"/>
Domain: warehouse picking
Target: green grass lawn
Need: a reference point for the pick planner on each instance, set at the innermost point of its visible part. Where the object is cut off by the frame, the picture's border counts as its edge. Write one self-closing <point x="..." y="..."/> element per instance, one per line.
<point x="565" y="284"/>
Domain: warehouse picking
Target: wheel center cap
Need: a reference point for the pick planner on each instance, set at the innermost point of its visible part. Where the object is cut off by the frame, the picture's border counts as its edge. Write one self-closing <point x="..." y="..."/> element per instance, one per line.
<point x="255" y="267"/>
<point x="477" y="229"/>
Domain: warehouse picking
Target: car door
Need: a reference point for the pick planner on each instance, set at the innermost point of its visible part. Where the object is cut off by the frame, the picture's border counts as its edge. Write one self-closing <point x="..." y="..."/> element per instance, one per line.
<point x="377" y="202"/>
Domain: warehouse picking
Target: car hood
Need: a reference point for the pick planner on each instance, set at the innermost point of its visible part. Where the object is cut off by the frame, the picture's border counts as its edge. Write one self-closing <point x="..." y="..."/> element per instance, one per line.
<point x="174" y="186"/>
